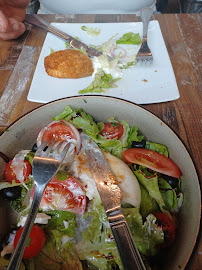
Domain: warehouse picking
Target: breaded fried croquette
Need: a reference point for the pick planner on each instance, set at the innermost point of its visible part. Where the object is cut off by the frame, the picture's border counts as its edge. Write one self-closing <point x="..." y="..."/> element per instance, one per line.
<point x="68" y="63"/>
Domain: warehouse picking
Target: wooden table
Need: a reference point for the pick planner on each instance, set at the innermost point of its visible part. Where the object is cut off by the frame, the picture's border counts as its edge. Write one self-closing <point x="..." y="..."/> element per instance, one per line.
<point x="183" y="38"/>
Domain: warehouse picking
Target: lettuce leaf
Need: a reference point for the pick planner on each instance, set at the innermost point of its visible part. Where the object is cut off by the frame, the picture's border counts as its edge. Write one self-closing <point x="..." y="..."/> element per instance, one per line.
<point x="129" y="38"/>
<point x="21" y="203"/>
<point x="62" y="221"/>
<point x="98" y="246"/>
<point x="150" y="182"/>
<point x="90" y="30"/>
<point x="157" y="147"/>
<point x="101" y="80"/>
<point x="57" y="256"/>
<point x="113" y="146"/>
<point x="133" y="136"/>
<point x="80" y="119"/>
<point x="148" y="205"/>
<point x="168" y="194"/>
<point x="147" y="236"/>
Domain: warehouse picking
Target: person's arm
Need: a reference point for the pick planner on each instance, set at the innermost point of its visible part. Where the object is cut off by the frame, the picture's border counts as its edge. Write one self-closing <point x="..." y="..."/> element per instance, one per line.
<point x="12" y="14"/>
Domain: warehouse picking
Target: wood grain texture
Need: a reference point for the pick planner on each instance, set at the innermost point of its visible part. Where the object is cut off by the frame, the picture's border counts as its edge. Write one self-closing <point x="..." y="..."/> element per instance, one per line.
<point x="16" y="90"/>
<point x="182" y="34"/>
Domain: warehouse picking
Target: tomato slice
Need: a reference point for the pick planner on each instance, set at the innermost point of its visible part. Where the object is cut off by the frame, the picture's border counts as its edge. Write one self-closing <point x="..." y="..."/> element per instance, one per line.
<point x="66" y="195"/>
<point x="112" y="130"/>
<point x="35" y="241"/>
<point x="10" y="169"/>
<point x="168" y="228"/>
<point x="152" y="160"/>
<point x="58" y="131"/>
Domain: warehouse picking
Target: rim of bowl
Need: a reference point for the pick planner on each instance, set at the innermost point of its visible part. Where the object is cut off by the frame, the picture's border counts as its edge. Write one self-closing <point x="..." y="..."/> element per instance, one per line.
<point x="199" y="236"/>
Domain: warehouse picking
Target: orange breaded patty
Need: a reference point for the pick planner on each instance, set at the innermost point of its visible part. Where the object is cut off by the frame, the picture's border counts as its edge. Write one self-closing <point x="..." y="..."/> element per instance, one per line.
<point x="68" y="63"/>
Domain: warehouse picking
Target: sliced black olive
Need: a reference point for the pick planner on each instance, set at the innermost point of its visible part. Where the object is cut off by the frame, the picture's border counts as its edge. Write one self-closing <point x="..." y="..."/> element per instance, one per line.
<point x="173" y="182"/>
<point x="139" y="144"/>
<point x="11" y="193"/>
<point x="34" y="147"/>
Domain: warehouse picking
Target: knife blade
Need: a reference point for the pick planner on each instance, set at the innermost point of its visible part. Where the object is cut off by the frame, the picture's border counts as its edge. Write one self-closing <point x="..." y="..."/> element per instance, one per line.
<point x="74" y="43"/>
<point x="110" y="194"/>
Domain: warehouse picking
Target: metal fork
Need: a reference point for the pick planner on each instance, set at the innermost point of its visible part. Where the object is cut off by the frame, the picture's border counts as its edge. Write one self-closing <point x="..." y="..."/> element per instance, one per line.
<point x="46" y="162"/>
<point x="144" y="53"/>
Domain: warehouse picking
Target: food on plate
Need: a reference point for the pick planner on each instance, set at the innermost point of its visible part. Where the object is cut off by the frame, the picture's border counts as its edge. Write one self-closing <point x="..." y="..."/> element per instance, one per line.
<point x="71" y="220"/>
<point x="91" y="30"/>
<point x="168" y="227"/>
<point x="68" y="63"/>
<point x="129" y="38"/>
<point x="65" y="195"/>
<point x="152" y="160"/>
<point x="105" y="69"/>
<point x="35" y="242"/>
<point x="112" y="130"/>
<point x="17" y="170"/>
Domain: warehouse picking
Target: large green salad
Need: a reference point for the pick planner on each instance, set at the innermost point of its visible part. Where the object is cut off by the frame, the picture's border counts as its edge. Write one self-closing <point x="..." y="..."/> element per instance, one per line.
<point x="71" y="230"/>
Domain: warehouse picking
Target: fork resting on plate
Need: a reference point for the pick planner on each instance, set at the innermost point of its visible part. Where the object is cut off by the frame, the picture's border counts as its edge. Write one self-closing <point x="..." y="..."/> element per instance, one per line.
<point x="144" y="53"/>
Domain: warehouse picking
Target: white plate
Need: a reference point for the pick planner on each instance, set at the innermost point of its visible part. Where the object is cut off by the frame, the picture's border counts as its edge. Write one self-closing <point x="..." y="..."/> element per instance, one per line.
<point x="142" y="84"/>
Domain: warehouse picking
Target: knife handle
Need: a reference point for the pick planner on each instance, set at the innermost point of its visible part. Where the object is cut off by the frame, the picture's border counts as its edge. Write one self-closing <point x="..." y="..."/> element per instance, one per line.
<point x="128" y="252"/>
<point x="39" y="22"/>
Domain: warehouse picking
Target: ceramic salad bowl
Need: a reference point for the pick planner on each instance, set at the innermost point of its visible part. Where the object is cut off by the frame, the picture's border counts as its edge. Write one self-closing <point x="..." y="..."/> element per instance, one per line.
<point x="22" y="134"/>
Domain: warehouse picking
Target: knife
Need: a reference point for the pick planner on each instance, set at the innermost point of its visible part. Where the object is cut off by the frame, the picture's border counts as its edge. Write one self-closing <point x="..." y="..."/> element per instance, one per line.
<point x="39" y="22"/>
<point x="110" y="194"/>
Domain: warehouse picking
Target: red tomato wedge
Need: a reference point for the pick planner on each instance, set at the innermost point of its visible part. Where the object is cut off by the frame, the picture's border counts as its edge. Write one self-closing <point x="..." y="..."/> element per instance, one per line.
<point x="112" y="130"/>
<point x="24" y="169"/>
<point x="59" y="131"/>
<point x="35" y="241"/>
<point x="152" y="160"/>
<point x="168" y="228"/>
<point x="66" y="195"/>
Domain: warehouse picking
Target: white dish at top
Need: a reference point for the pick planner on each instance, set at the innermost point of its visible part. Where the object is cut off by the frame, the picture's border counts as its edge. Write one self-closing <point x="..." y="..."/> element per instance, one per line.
<point x="142" y="83"/>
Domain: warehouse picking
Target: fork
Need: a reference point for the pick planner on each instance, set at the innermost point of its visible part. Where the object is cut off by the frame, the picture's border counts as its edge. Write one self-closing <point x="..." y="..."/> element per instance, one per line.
<point x="46" y="162"/>
<point x="144" y="53"/>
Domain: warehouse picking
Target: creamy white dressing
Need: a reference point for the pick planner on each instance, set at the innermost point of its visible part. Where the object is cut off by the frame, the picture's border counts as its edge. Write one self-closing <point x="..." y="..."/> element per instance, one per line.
<point x="66" y="224"/>
<point x="109" y="67"/>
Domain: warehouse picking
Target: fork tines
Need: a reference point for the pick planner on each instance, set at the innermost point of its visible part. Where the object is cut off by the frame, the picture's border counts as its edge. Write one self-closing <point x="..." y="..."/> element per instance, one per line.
<point x="144" y="53"/>
<point x="55" y="149"/>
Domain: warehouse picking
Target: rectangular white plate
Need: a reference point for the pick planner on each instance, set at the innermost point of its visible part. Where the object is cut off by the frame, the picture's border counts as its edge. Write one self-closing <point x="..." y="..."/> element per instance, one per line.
<point x="142" y="83"/>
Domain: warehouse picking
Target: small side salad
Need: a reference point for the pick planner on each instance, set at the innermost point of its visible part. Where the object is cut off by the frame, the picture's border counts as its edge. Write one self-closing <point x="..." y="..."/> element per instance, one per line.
<point x="71" y="230"/>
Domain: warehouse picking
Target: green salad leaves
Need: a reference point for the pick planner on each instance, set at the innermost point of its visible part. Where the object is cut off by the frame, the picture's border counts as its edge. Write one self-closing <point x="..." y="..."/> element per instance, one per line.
<point x="129" y="38"/>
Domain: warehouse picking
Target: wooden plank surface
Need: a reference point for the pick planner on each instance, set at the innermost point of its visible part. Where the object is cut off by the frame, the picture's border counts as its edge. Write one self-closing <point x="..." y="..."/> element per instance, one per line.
<point x="183" y="38"/>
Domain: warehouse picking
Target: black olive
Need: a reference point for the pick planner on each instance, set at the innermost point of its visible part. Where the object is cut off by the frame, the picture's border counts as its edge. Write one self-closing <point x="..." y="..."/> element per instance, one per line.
<point x="7" y="256"/>
<point x="139" y="144"/>
<point x="11" y="193"/>
<point x="173" y="182"/>
<point x="34" y="147"/>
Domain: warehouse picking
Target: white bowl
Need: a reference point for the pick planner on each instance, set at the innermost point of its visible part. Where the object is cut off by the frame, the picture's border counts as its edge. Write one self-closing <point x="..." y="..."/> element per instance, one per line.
<point x="23" y="133"/>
